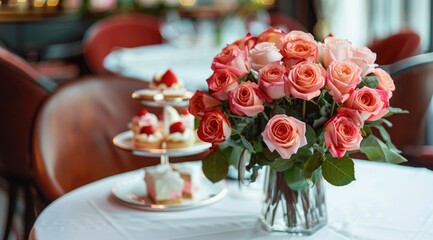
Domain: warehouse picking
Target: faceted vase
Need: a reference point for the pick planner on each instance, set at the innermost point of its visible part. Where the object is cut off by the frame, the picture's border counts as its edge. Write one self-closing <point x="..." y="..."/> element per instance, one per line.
<point x="295" y="212"/>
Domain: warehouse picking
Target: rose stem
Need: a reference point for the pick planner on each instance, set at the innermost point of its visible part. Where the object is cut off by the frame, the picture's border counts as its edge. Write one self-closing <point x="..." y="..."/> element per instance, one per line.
<point x="304" y="109"/>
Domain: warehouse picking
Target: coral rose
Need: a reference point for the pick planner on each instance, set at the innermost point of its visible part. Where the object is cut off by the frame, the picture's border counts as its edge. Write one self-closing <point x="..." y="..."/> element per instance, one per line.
<point x="342" y="135"/>
<point x="272" y="80"/>
<point x="264" y="53"/>
<point x="246" y="99"/>
<point x="221" y="82"/>
<point x="298" y="35"/>
<point x="201" y="102"/>
<point x="385" y="81"/>
<point x="298" y="51"/>
<point x="305" y="80"/>
<point x="367" y="102"/>
<point x="341" y="79"/>
<point x="214" y="127"/>
<point x="248" y="41"/>
<point x="272" y="35"/>
<point x="233" y="58"/>
<point x="284" y="134"/>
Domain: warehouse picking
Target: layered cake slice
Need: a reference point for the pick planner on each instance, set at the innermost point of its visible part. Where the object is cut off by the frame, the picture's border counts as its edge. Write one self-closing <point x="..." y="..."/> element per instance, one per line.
<point x="191" y="174"/>
<point x="164" y="186"/>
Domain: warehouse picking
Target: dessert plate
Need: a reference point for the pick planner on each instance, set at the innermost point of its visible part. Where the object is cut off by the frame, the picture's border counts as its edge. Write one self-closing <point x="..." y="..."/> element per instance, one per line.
<point x="159" y="99"/>
<point x="132" y="193"/>
<point x="124" y="141"/>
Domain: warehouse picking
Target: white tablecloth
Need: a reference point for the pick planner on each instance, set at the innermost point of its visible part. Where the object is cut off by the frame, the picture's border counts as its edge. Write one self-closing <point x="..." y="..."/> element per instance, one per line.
<point x="385" y="202"/>
<point x="192" y="65"/>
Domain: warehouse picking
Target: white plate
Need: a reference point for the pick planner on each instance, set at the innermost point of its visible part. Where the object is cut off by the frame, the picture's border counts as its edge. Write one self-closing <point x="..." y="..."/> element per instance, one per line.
<point x="160" y="99"/>
<point x="124" y="141"/>
<point x="132" y="192"/>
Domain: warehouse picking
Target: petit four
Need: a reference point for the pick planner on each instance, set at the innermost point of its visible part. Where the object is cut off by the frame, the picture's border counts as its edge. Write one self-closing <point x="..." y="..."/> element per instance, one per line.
<point x="168" y="84"/>
<point x="177" y="135"/>
<point x="144" y="127"/>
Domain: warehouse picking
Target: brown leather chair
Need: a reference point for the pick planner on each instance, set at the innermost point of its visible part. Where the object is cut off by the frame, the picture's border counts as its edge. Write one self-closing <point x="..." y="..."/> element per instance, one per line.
<point x="72" y="138"/>
<point x="285" y="22"/>
<point x="396" y="47"/>
<point x="118" y="31"/>
<point x="22" y="90"/>
<point x="413" y="78"/>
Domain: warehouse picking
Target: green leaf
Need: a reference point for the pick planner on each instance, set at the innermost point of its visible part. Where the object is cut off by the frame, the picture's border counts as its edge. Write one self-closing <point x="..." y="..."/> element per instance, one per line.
<point x="370" y="81"/>
<point x="338" y="171"/>
<point x="295" y="179"/>
<point x="376" y="150"/>
<point x="215" y="166"/>
<point x="387" y="138"/>
<point x="313" y="163"/>
<point x="279" y="110"/>
<point x="310" y="134"/>
<point x="281" y="164"/>
<point x="247" y="144"/>
<point x="393" y="110"/>
<point x="258" y="147"/>
<point x="196" y="123"/>
<point x="271" y="156"/>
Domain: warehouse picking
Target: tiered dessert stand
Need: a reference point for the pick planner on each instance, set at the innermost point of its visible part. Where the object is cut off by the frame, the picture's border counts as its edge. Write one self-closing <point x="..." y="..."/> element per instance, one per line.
<point x="132" y="192"/>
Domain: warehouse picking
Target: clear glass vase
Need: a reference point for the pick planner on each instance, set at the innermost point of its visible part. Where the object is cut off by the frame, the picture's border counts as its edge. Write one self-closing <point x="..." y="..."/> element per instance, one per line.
<point x="296" y="212"/>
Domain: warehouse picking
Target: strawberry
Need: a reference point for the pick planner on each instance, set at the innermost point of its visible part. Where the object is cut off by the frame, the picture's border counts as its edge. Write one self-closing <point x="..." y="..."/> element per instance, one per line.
<point x="142" y="112"/>
<point x="177" y="127"/>
<point x="169" y="78"/>
<point x="147" y="130"/>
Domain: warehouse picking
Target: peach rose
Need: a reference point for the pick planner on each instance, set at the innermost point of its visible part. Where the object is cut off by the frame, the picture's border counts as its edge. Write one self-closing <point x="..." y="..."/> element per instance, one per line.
<point x="272" y="35"/>
<point x="298" y="35"/>
<point x="246" y="99"/>
<point x="352" y="114"/>
<point x="214" y="127"/>
<point x="364" y="58"/>
<point x="336" y="50"/>
<point x="284" y="134"/>
<point x="384" y="97"/>
<point x="272" y="78"/>
<point x="264" y="53"/>
<point x="233" y="58"/>
<point x="341" y="79"/>
<point x="305" y="80"/>
<point x="221" y="82"/>
<point x="385" y="81"/>
<point x="248" y="41"/>
<point x="298" y="51"/>
<point x="366" y="101"/>
<point x="341" y="135"/>
<point x="201" y="102"/>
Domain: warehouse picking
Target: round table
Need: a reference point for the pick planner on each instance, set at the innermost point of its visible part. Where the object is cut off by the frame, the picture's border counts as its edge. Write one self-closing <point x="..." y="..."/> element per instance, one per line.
<point x="385" y="202"/>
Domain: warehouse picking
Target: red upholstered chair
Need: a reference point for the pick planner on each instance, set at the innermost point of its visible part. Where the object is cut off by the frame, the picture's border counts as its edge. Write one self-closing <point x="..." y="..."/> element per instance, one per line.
<point x="285" y="22"/>
<point x="413" y="78"/>
<point x="119" y="31"/>
<point x="396" y="47"/>
<point x="22" y="90"/>
<point x="72" y="138"/>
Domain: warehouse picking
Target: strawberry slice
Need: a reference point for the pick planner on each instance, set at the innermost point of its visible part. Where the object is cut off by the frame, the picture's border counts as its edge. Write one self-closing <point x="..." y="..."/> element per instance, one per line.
<point x="169" y="78"/>
<point x="177" y="127"/>
<point x="147" y="130"/>
<point x="142" y="112"/>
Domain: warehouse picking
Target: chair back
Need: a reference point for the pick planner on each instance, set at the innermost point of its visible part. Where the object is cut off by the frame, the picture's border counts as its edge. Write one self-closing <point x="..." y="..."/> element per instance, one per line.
<point x="22" y="90"/>
<point x="119" y="31"/>
<point x="285" y="22"/>
<point x="396" y="47"/>
<point x="413" y="78"/>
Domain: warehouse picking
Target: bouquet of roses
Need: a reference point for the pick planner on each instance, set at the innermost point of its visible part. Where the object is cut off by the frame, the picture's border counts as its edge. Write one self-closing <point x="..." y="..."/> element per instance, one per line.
<point x="297" y="105"/>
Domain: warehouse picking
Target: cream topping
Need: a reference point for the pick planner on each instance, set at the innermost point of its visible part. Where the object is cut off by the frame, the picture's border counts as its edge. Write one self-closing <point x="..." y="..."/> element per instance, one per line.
<point x="181" y="137"/>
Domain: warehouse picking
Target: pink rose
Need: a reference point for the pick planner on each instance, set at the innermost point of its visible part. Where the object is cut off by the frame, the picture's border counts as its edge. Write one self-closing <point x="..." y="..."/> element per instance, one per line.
<point x="246" y="99"/>
<point x="364" y="58"/>
<point x="272" y="35"/>
<point x="272" y="78"/>
<point x="201" y="102"/>
<point x="366" y="101"/>
<point x="305" y="80"/>
<point x="341" y="135"/>
<point x="352" y="114"/>
<point x="298" y="51"/>
<point x="384" y="97"/>
<point x="341" y="79"/>
<point x="264" y="53"/>
<point x="214" y="127"/>
<point x="385" y="81"/>
<point x="284" y="134"/>
<point x="336" y="50"/>
<point x="221" y="82"/>
<point x="298" y="35"/>
<point x="234" y="59"/>
<point x="248" y="41"/>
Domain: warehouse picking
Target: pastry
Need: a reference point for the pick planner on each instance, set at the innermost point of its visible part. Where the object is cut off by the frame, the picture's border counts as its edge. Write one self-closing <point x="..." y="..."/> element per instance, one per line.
<point x="164" y="186"/>
<point x="144" y="127"/>
<point x="191" y="174"/>
<point x="178" y="136"/>
<point x="168" y="84"/>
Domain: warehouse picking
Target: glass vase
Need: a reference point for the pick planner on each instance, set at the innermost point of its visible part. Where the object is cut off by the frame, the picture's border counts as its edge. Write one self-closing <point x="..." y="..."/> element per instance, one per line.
<point x="296" y="212"/>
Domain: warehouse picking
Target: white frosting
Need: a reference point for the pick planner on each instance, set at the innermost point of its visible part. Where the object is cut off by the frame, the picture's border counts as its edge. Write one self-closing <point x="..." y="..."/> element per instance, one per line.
<point x="188" y="120"/>
<point x="181" y="137"/>
<point x="148" y="119"/>
<point x="163" y="180"/>
<point x="143" y="137"/>
<point x="156" y="84"/>
<point x="170" y="116"/>
<point x="190" y="168"/>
